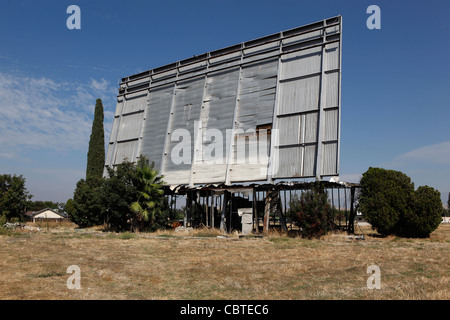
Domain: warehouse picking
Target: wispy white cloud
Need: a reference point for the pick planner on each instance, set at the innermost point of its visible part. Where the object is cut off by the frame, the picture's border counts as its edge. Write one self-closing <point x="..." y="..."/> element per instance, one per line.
<point x="101" y="85"/>
<point x="43" y="113"/>
<point x="427" y="165"/>
<point x="438" y="153"/>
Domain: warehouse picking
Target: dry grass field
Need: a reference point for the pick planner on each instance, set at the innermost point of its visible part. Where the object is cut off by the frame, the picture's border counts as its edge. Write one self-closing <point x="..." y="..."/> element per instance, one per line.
<point x="204" y="264"/>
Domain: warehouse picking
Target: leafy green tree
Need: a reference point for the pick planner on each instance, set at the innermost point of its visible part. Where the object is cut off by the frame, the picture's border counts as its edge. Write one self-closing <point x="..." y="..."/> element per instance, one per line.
<point x="118" y="192"/>
<point x="386" y="197"/>
<point x="96" y="153"/>
<point x="13" y="196"/>
<point x="426" y="214"/>
<point x="312" y="213"/>
<point x="150" y="205"/>
<point x="87" y="208"/>
<point x="69" y="208"/>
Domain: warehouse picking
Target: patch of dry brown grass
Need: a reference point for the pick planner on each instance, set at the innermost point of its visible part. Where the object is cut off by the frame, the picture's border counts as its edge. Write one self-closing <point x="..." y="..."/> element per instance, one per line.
<point x="205" y="264"/>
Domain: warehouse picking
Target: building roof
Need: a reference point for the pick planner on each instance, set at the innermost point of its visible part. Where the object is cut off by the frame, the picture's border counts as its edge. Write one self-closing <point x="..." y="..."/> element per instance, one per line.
<point x="32" y="214"/>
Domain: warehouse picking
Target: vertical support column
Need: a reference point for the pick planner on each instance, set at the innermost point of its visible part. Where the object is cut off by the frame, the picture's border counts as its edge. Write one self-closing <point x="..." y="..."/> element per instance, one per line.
<point x="320" y="120"/>
<point x="213" y="208"/>
<point x="188" y="209"/>
<point x="223" y="226"/>
<point x="339" y="98"/>
<point x="207" y="209"/>
<point x="113" y="155"/>
<point x="169" y="125"/>
<point x="351" y="223"/>
<point x="198" y="129"/>
<point x="267" y="209"/>
<point x="273" y="161"/>
<point x="230" y="153"/>
<point x="254" y="210"/>
<point x="198" y="137"/>
<point x="139" y="148"/>
<point x="279" y="210"/>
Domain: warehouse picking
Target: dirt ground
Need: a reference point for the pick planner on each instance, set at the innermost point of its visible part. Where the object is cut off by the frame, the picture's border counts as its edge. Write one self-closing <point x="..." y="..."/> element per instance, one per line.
<point x="205" y="264"/>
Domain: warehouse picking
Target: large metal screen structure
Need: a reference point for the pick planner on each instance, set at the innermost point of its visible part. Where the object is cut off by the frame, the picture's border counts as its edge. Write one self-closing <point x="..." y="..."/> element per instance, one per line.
<point x="261" y="110"/>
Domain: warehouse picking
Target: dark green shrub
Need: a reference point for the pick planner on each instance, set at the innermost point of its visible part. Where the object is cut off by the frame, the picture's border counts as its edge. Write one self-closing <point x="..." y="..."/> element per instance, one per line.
<point x="385" y="198"/>
<point x="391" y="206"/>
<point x="312" y="213"/>
<point x="426" y="214"/>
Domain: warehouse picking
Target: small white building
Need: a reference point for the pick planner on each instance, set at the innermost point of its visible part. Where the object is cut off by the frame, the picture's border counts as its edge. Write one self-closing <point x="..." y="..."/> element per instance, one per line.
<point x="46" y="214"/>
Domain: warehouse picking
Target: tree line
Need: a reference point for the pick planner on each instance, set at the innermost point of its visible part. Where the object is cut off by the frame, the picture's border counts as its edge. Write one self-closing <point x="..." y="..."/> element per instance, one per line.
<point x="388" y="201"/>
<point x="130" y="197"/>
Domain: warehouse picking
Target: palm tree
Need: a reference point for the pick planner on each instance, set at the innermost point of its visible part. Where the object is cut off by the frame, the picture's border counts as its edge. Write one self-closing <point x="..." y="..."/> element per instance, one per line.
<point x="151" y="194"/>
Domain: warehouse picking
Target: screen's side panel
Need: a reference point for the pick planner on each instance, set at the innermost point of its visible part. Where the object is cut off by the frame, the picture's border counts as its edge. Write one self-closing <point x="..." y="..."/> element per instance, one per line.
<point x="210" y="145"/>
<point x="155" y="126"/>
<point x="308" y="104"/>
<point x="126" y="128"/>
<point x="185" y="113"/>
<point x="253" y="121"/>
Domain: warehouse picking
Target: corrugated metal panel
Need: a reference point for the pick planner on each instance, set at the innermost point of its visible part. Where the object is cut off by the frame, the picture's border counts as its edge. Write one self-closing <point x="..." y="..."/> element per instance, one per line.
<point x="125" y="150"/>
<point x="225" y="57"/>
<point x="256" y="95"/>
<point x="299" y="95"/>
<point x="192" y="67"/>
<point x="331" y="125"/>
<point x="309" y="163"/>
<point x="217" y="114"/>
<point x="261" y="48"/>
<point x="186" y="110"/>
<point x="311" y="127"/>
<point x="114" y="129"/>
<point x="331" y="89"/>
<point x="332" y="52"/>
<point x="302" y="37"/>
<point x="138" y="81"/>
<point x="330" y="160"/>
<point x="136" y="102"/>
<point x="109" y="154"/>
<point x="254" y="107"/>
<point x="289" y="130"/>
<point x="250" y="157"/>
<point x="301" y="63"/>
<point x="290" y="164"/>
<point x="119" y="106"/>
<point x="130" y="126"/>
<point x="155" y="125"/>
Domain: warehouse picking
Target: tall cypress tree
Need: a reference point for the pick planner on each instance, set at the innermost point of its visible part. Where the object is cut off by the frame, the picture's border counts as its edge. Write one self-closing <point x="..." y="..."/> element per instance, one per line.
<point x="96" y="153"/>
<point x="87" y="210"/>
<point x="448" y="205"/>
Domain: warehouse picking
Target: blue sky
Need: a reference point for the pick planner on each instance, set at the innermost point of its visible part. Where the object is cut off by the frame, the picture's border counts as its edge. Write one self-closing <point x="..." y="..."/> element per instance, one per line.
<point x="395" y="80"/>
